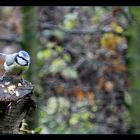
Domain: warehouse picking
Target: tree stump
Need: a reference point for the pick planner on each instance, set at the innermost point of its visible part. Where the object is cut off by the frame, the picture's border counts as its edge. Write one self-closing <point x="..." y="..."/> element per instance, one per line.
<point x="15" y="102"/>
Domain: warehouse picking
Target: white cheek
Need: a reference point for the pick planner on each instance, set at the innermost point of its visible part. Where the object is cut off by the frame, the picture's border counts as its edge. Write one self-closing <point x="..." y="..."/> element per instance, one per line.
<point x="21" y="61"/>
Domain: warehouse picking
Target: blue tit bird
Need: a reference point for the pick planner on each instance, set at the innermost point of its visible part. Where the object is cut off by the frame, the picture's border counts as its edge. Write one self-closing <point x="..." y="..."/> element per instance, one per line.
<point x="17" y="63"/>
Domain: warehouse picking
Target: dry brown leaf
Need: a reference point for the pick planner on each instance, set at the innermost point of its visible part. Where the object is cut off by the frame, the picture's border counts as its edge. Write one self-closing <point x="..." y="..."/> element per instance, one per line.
<point x="59" y="89"/>
<point x="101" y="83"/>
<point x="79" y="94"/>
<point x="90" y="97"/>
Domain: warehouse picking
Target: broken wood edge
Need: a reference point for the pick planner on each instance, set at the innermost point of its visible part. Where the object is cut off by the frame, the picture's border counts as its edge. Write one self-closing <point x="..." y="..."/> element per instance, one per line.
<point x="15" y="102"/>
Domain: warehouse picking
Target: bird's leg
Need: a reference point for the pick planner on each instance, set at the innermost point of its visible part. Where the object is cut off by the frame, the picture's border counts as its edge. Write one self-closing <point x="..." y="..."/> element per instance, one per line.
<point x="19" y="77"/>
<point x="22" y="79"/>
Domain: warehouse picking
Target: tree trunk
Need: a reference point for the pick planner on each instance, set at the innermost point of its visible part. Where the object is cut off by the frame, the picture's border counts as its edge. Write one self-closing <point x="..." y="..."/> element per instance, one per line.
<point x="30" y="44"/>
<point x="134" y="67"/>
<point x="15" y="102"/>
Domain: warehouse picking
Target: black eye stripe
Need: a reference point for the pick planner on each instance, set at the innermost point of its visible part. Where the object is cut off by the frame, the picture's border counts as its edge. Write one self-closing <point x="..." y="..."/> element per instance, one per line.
<point x="22" y="58"/>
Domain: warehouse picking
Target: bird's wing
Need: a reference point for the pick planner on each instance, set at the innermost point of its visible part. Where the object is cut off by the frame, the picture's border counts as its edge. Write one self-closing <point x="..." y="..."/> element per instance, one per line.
<point x="10" y="59"/>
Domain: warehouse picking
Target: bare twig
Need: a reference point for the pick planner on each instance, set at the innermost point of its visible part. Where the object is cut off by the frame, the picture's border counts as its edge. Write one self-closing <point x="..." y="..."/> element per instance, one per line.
<point x="10" y="39"/>
<point x="91" y="31"/>
<point x="71" y="31"/>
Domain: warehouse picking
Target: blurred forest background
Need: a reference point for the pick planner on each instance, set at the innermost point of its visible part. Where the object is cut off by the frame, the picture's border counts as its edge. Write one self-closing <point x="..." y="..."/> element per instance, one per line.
<point x="85" y="66"/>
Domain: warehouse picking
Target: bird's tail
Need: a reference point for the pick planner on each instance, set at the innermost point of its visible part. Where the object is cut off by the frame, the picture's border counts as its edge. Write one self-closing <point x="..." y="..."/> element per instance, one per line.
<point x="2" y="60"/>
<point x="2" y="56"/>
